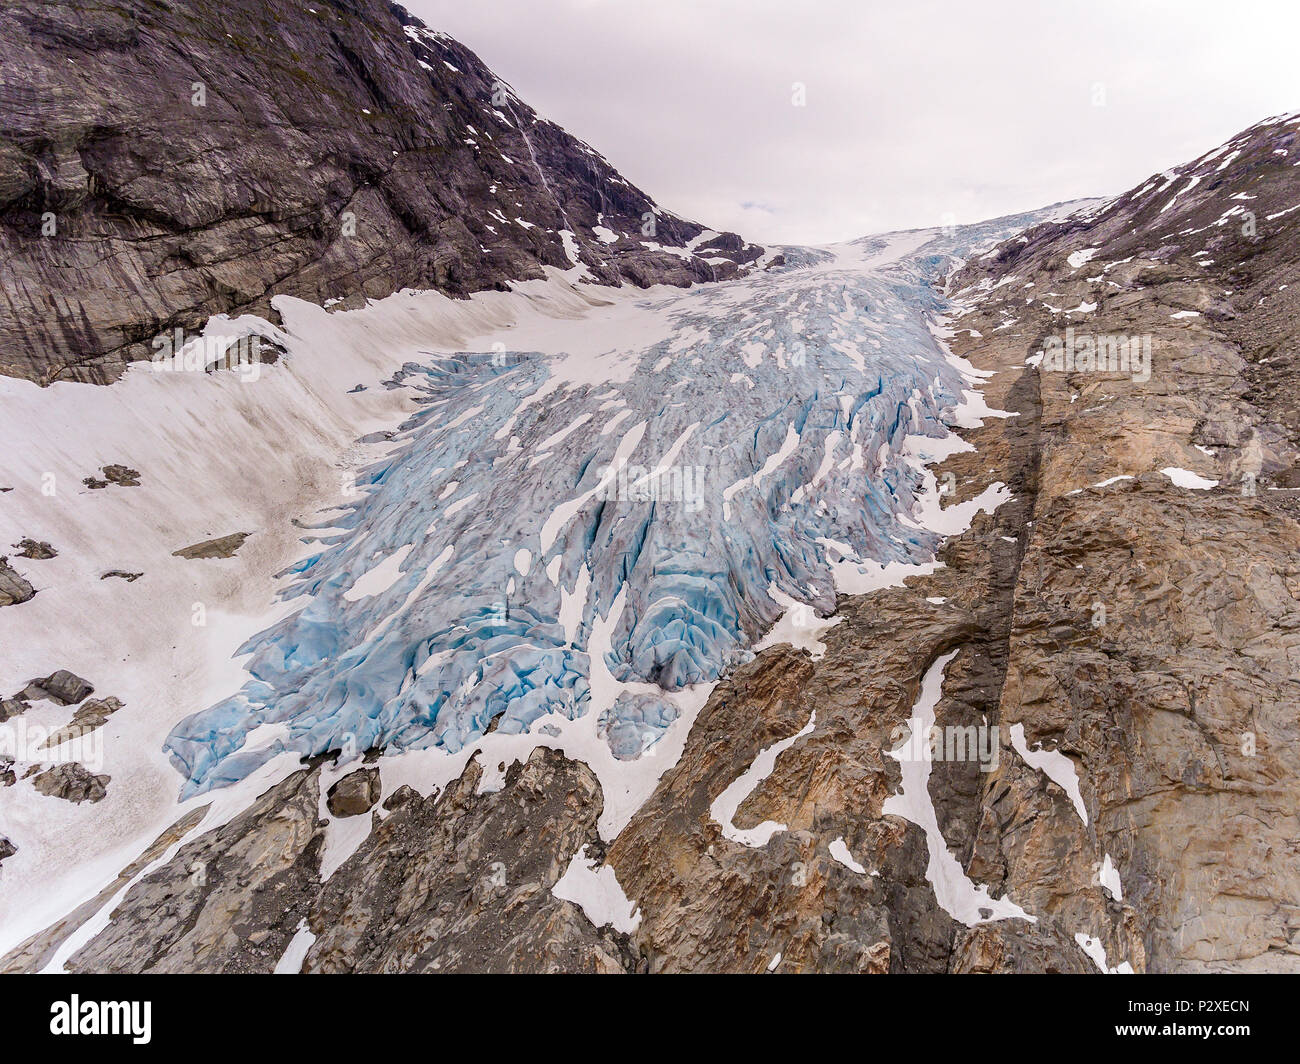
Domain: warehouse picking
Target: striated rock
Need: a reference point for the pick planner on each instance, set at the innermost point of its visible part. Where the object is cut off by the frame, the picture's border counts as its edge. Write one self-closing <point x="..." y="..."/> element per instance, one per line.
<point x="13" y="587"/>
<point x="72" y="782"/>
<point x="457" y="881"/>
<point x="229" y="901"/>
<point x="91" y="714"/>
<point x="36" y="952"/>
<point x="7" y="848"/>
<point x="121" y="574"/>
<point x="221" y="547"/>
<point x="1154" y="636"/>
<point x="354" y="794"/>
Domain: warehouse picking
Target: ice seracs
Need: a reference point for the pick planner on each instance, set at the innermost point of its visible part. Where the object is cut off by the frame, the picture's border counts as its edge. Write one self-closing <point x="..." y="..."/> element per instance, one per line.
<point x="613" y="458"/>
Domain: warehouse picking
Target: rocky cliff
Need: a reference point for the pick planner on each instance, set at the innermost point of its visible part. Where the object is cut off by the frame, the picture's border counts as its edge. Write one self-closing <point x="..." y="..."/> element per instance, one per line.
<point x="162" y="161"/>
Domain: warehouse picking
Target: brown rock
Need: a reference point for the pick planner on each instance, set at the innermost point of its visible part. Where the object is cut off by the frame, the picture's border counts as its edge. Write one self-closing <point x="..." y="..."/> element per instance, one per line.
<point x="72" y="782"/>
<point x="221" y="547"/>
<point x="354" y="794"/>
<point x="62" y="687"/>
<point x="13" y="587"/>
<point x="30" y="548"/>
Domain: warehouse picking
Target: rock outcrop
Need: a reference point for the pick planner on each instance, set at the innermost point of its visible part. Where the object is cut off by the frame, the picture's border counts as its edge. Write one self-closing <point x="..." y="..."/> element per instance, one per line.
<point x="229" y="901"/>
<point x="355" y="794"/>
<point x="72" y="782"/>
<point x="221" y="547"/>
<point x="61" y="687"/>
<point x="14" y="587"/>
<point x="462" y="882"/>
<point x="456" y="881"/>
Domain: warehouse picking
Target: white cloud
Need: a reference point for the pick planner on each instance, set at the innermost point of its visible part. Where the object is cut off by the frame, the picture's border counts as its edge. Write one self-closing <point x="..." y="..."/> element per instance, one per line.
<point x="913" y="111"/>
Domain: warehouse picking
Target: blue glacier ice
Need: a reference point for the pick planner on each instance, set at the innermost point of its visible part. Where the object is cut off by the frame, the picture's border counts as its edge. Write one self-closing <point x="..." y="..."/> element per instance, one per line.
<point x="516" y="508"/>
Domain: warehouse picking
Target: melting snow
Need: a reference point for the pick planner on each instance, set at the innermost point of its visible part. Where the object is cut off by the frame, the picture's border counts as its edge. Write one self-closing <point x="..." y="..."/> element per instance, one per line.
<point x="960" y="898"/>
<point x="597" y="892"/>
<point x="1054" y="765"/>
<point x="1185" y="478"/>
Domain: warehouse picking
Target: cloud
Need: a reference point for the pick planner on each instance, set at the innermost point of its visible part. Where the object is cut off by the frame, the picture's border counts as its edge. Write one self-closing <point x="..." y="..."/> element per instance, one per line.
<point x="909" y="113"/>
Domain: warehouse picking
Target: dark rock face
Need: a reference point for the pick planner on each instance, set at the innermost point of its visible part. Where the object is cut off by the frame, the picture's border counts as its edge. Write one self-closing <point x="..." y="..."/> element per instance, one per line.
<point x="73" y="783"/>
<point x="7" y="848"/>
<point x="257" y="149"/>
<point x="354" y="794"/>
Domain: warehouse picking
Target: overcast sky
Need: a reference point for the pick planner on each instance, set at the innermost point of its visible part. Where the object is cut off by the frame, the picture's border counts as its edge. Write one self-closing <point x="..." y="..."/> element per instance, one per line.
<point x="915" y="110"/>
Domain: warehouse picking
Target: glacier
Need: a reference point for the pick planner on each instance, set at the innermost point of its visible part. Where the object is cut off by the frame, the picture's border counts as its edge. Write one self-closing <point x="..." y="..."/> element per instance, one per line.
<point x="554" y="534"/>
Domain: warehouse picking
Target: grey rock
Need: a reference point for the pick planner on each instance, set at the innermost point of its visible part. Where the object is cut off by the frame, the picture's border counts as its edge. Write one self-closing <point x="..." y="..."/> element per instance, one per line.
<point x="332" y="156"/>
<point x="91" y="714"/>
<point x="461" y="881"/>
<point x="221" y="547"/>
<point x="13" y="587"/>
<point x="73" y="783"/>
<point x="35" y="953"/>
<point x="229" y="901"/>
<point x="457" y="881"/>
<point x="62" y="687"/>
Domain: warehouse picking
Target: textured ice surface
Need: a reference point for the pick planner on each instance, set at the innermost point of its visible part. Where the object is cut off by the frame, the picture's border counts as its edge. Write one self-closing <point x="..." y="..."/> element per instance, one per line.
<point x="758" y="439"/>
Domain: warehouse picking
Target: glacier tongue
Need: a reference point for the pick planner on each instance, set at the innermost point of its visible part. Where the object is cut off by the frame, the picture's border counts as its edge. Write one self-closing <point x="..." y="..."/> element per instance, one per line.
<point x="759" y="440"/>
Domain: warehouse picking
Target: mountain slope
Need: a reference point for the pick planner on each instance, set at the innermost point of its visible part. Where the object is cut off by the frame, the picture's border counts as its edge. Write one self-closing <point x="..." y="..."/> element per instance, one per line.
<point x="162" y="162"/>
<point x="587" y="629"/>
<point x="1125" y="622"/>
